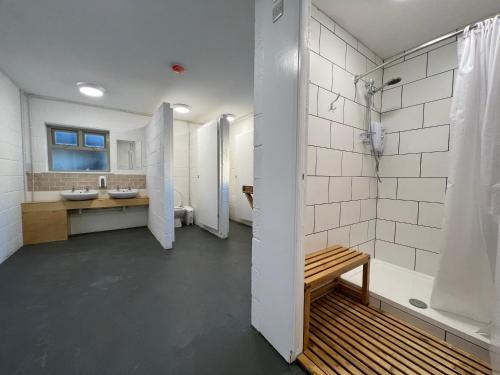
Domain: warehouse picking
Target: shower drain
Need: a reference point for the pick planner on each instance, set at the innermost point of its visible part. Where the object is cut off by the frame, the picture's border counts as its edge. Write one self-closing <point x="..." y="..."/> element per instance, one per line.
<point x="417" y="303"/>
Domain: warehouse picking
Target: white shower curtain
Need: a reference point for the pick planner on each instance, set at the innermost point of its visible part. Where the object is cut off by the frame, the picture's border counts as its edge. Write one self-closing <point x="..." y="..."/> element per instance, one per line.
<point x="464" y="283"/>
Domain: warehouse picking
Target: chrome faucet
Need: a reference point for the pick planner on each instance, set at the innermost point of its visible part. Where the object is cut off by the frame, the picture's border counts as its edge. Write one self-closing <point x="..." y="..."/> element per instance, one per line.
<point x="73" y="189"/>
<point x="86" y="189"/>
<point x="117" y="187"/>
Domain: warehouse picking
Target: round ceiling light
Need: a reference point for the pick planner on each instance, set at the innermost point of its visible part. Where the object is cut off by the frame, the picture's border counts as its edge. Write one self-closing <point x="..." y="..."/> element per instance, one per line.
<point x="182" y="108"/>
<point x="230" y="117"/>
<point x="90" y="89"/>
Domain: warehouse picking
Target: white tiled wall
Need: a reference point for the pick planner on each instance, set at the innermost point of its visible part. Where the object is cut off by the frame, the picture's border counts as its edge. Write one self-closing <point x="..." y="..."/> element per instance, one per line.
<point x="181" y="162"/>
<point x="414" y="172"/>
<point x="341" y="189"/>
<point x="11" y="169"/>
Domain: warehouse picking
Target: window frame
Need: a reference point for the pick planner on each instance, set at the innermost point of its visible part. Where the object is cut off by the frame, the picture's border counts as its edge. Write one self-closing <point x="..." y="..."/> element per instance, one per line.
<point x="51" y="145"/>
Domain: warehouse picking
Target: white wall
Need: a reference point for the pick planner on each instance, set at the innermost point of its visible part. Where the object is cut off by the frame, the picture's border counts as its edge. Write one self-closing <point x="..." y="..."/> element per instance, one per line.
<point x="279" y="151"/>
<point x="159" y="149"/>
<point x="181" y="162"/>
<point x="193" y="168"/>
<point x="241" y="167"/>
<point x="341" y="187"/>
<point x="121" y="125"/>
<point x="414" y="173"/>
<point x="11" y="169"/>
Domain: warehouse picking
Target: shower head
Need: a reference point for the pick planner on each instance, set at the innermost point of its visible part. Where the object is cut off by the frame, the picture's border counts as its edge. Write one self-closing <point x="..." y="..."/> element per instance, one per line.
<point x="393" y="81"/>
<point x="372" y="89"/>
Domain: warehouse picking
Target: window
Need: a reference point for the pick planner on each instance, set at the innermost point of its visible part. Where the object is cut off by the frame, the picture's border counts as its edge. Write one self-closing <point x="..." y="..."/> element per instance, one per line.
<point x="76" y="149"/>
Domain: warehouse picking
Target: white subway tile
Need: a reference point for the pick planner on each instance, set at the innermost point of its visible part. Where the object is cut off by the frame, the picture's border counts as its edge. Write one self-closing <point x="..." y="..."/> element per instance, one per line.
<point x="368" y="209"/>
<point x="343" y="82"/>
<point x="318" y="132"/>
<point x="346" y="36"/>
<point x="360" y="188"/>
<point x="430" y="48"/>
<point x="358" y="145"/>
<point x="322" y="18"/>
<point x="320" y="72"/>
<point x="314" y="31"/>
<point x="431" y="214"/>
<point x="437" y="112"/>
<point x="368" y="248"/>
<point x="371" y="229"/>
<point x="442" y="59"/>
<point x="435" y="164"/>
<point x="424" y="140"/>
<point x="422" y="189"/>
<point x="387" y="188"/>
<point x="424" y="238"/>
<point x="355" y="61"/>
<point x="366" y="51"/>
<point x="340" y="189"/>
<point x="342" y="137"/>
<point x="332" y="47"/>
<point x="328" y="162"/>
<point x="409" y="70"/>
<point x="349" y="212"/>
<point x="427" y="262"/>
<point x="325" y="100"/>
<point x="309" y="220"/>
<point x="403" y="119"/>
<point x="391" y="146"/>
<point x="391" y="99"/>
<point x="311" y="160"/>
<point x="351" y="164"/>
<point x="316" y="190"/>
<point x="428" y="89"/>
<point x="339" y="236"/>
<point x="396" y="254"/>
<point x="359" y="233"/>
<point x="354" y="114"/>
<point x="313" y="99"/>
<point x="386" y="230"/>
<point x="326" y="216"/>
<point x="373" y="187"/>
<point x="400" y="165"/>
<point x="368" y="168"/>
<point x="316" y="241"/>
<point x="396" y="210"/>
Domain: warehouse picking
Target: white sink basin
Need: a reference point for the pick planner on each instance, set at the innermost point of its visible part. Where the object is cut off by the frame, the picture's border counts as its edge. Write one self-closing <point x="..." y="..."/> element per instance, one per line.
<point x="123" y="193"/>
<point x="79" y="195"/>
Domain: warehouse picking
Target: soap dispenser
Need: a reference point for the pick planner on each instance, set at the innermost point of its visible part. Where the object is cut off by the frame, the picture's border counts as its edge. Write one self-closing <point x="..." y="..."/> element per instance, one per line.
<point x="102" y="182"/>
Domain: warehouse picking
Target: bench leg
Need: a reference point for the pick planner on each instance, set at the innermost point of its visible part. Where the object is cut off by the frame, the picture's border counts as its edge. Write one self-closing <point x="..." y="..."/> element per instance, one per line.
<point x="365" y="288"/>
<point x="307" y="312"/>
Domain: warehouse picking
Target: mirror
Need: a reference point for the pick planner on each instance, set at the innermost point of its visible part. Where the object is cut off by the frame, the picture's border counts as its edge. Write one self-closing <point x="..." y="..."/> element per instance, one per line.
<point x="128" y="155"/>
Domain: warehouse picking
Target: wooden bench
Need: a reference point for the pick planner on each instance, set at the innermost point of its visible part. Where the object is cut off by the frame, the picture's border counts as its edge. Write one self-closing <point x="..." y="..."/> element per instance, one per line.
<point x="248" y="191"/>
<point x="322" y="270"/>
<point x="348" y="337"/>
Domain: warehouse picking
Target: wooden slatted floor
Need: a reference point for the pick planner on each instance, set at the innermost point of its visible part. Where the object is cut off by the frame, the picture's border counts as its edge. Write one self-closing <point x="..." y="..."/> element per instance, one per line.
<point x="347" y="337"/>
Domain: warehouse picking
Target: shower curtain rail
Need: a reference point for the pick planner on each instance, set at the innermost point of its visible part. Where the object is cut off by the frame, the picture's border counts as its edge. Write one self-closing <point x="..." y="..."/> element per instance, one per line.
<point x="357" y="77"/>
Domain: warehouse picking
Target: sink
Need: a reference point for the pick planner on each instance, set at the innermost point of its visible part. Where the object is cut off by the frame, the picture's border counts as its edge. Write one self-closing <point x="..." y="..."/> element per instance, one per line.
<point x="123" y="193"/>
<point x="79" y="195"/>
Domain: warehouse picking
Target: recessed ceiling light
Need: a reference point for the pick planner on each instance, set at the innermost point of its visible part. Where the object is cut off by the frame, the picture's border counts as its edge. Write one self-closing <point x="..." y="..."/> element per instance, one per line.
<point x="230" y="117"/>
<point x="182" y="108"/>
<point x="90" y="89"/>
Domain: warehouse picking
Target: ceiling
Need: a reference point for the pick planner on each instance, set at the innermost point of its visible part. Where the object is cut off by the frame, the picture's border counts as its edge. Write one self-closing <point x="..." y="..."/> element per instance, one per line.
<point x="392" y="26"/>
<point x="127" y="46"/>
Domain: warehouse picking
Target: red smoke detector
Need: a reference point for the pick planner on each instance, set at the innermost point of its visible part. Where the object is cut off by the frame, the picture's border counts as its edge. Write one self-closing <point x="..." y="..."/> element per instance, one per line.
<point x="179" y="69"/>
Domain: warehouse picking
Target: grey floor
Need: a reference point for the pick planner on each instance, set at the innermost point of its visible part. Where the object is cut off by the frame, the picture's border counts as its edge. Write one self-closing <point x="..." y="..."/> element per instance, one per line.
<point x="116" y="303"/>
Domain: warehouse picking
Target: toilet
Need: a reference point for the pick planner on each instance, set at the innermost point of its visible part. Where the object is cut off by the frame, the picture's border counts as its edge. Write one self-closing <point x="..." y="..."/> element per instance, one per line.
<point x="182" y="214"/>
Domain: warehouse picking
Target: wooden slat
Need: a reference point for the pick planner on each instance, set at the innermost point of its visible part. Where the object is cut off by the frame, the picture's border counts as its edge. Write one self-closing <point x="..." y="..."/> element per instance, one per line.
<point x="338" y="269"/>
<point x="312" y="257"/>
<point x="417" y="361"/>
<point x="350" y="338"/>
<point x="309" y="365"/>
<point x="413" y="336"/>
<point x="328" y="258"/>
<point x="324" y="254"/>
<point x="91" y="203"/>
